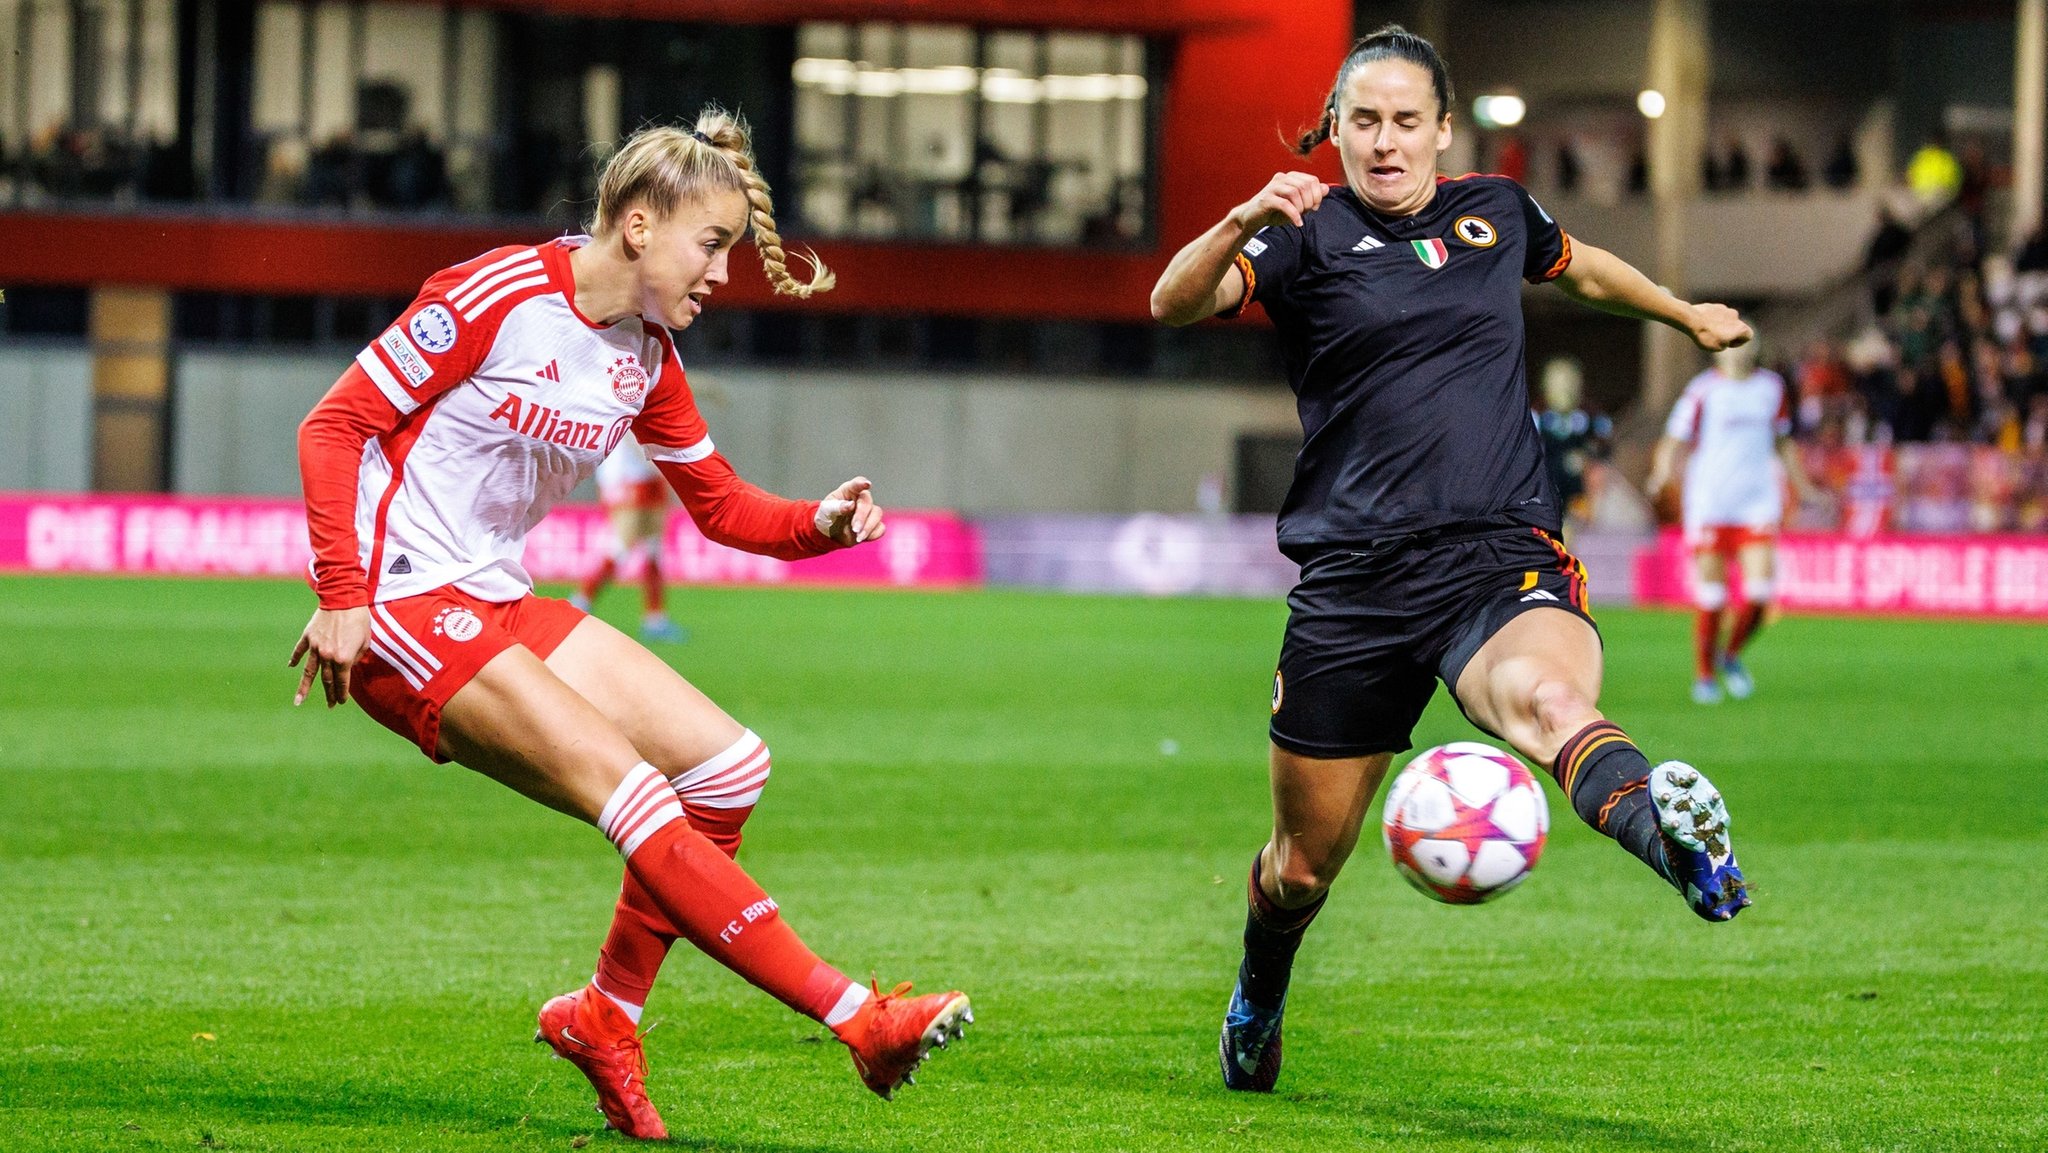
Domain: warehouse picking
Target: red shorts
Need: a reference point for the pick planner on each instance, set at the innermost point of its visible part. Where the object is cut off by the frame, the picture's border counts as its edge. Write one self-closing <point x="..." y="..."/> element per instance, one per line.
<point x="423" y="648"/>
<point x="648" y="495"/>
<point x="1728" y="539"/>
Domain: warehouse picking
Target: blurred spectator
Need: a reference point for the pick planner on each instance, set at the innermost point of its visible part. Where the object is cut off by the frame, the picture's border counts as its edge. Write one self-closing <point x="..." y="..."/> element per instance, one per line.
<point x="1841" y="169"/>
<point x="1569" y="167"/>
<point x="1787" y="172"/>
<point x="1512" y="159"/>
<point x="1638" y="172"/>
<point x="1887" y="245"/>
<point x="1727" y="171"/>
<point x="1574" y="440"/>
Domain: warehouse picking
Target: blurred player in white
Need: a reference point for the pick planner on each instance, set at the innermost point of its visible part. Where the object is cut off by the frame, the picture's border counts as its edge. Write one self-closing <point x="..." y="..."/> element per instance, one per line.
<point x="1731" y="433"/>
<point x="636" y="501"/>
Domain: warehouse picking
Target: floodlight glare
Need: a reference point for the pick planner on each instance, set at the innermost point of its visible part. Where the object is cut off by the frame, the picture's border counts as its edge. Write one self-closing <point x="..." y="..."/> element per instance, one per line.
<point x="1650" y="103"/>
<point x="1499" y="111"/>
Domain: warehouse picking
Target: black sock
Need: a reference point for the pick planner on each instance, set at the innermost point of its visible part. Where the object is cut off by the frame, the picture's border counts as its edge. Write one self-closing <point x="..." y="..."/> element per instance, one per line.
<point x="1607" y="779"/>
<point x="1271" y="936"/>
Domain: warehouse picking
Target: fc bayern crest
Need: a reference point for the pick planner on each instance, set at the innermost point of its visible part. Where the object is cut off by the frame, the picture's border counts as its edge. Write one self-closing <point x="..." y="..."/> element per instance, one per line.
<point x="457" y="624"/>
<point x="629" y="380"/>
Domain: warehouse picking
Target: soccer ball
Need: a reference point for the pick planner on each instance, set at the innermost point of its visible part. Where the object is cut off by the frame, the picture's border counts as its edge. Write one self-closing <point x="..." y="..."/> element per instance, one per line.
<point x="1465" y="822"/>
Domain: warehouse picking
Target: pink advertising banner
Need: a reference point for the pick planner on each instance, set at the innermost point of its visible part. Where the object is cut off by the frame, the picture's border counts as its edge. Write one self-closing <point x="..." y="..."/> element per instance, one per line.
<point x="1979" y="576"/>
<point x="229" y="536"/>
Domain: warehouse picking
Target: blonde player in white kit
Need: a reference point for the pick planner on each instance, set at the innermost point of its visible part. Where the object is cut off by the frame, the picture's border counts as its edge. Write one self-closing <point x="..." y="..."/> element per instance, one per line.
<point x="494" y="394"/>
<point x="1731" y="432"/>
<point x="636" y="503"/>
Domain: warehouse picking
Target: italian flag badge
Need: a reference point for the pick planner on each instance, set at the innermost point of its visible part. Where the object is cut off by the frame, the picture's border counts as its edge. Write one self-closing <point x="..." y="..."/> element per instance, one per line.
<point x="1431" y="252"/>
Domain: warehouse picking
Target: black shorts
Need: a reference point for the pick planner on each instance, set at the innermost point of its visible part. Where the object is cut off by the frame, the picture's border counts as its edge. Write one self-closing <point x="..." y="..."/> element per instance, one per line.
<point x="1370" y="634"/>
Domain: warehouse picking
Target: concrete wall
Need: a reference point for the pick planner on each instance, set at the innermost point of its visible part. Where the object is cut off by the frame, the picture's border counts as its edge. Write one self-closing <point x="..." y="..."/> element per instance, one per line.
<point x="45" y="417"/>
<point x="235" y="419"/>
<point x="977" y="444"/>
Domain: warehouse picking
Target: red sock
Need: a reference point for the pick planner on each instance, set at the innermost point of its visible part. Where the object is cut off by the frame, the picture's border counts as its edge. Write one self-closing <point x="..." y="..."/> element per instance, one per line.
<point x="640" y="936"/>
<point x="1747" y="624"/>
<point x="1706" y="636"/>
<point x="650" y="580"/>
<point x="720" y="909"/>
<point x="595" y="582"/>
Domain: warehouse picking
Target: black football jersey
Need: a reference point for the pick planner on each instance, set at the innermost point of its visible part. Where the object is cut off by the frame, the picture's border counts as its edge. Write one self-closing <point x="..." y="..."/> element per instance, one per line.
<point x="1404" y="345"/>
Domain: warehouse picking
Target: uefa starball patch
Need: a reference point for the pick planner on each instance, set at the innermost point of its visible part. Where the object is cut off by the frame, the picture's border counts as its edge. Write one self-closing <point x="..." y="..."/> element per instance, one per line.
<point x="434" y="328"/>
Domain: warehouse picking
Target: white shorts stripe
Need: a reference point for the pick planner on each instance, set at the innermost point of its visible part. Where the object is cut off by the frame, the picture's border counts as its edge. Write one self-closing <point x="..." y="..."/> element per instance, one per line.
<point x="690" y="454"/>
<point x="398" y="633"/>
<point x="385" y="380"/>
<point x="485" y="304"/>
<point x="396" y="652"/>
<point x="487" y="270"/>
<point x="412" y="677"/>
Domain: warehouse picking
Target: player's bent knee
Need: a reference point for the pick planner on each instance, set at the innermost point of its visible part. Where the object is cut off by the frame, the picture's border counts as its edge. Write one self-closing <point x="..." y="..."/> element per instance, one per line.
<point x="733" y="779"/>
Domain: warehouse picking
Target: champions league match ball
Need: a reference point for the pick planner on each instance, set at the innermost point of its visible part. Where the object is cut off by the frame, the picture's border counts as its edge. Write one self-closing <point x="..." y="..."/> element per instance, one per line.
<point x="1465" y="822"/>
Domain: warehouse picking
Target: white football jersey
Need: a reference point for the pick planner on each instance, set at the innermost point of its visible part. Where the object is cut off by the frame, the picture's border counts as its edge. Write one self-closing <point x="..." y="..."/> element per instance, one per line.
<point x="1733" y="476"/>
<point x="510" y="398"/>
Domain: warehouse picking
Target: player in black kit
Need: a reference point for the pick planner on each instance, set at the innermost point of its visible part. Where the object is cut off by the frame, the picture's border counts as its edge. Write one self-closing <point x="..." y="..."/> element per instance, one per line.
<point x="1422" y="517"/>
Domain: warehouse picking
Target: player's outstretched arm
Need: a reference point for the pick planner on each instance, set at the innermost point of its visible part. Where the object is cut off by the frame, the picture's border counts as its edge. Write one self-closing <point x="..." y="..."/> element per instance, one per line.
<point x="1197" y="283"/>
<point x="1598" y="278"/>
<point x="739" y="515"/>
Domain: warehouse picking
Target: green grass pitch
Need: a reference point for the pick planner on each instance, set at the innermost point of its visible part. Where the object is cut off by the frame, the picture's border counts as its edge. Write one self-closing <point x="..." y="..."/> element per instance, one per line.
<point x="228" y="924"/>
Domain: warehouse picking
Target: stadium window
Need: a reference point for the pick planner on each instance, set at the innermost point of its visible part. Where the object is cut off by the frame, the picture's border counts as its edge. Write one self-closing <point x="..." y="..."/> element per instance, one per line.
<point x="88" y="104"/>
<point x="373" y="106"/>
<point x="945" y="132"/>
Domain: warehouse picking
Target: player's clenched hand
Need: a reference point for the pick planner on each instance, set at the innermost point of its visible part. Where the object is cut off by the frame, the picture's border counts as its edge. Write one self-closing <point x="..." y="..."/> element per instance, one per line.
<point x="1285" y="197"/>
<point x="1717" y="326"/>
<point x="850" y="515"/>
<point x="332" y="644"/>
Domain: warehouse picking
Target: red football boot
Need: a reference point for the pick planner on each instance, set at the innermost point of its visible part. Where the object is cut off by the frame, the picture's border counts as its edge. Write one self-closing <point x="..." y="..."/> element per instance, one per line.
<point x="587" y="1030"/>
<point x="891" y="1034"/>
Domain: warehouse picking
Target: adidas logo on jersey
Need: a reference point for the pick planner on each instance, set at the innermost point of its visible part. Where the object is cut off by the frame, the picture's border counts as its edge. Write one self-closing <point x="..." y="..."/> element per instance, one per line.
<point x="401" y="566"/>
<point x="1368" y="244"/>
<point x="550" y="373"/>
<point x="1541" y="595"/>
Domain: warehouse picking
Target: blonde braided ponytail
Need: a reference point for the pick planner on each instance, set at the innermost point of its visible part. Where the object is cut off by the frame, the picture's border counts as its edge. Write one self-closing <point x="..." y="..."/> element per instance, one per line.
<point x="661" y="167"/>
<point x="728" y="134"/>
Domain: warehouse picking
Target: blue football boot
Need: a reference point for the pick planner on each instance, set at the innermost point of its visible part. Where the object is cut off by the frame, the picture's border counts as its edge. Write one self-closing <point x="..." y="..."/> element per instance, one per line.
<point x="1695" y="823"/>
<point x="1250" y="1045"/>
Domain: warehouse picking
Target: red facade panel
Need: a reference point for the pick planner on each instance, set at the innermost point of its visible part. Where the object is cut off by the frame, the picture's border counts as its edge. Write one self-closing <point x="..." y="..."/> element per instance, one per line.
<point x="1243" y="76"/>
